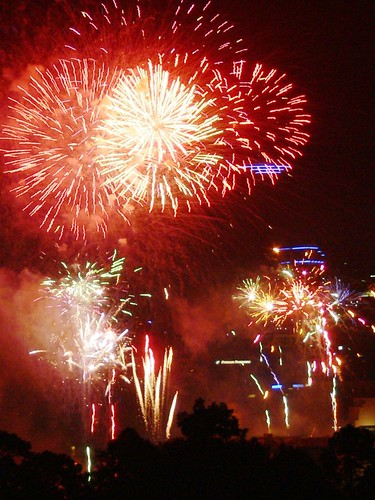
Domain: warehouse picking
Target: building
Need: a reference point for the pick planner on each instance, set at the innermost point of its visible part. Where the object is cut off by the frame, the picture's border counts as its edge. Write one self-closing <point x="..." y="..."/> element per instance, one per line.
<point x="304" y="258"/>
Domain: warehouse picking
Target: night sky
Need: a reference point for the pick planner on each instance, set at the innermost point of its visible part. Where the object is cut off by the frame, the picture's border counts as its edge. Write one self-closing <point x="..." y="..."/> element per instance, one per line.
<point x="326" y="48"/>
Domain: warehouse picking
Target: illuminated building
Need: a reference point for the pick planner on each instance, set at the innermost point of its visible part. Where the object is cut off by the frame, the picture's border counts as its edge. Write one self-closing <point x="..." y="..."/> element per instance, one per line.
<point x="302" y="258"/>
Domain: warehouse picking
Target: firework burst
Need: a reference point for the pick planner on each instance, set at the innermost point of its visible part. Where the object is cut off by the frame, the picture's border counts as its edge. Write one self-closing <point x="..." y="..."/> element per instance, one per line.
<point x="84" y="288"/>
<point x="275" y="130"/>
<point x="90" y="344"/>
<point x="156" y="131"/>
<point x="51" y="132"/>
<point x="147" y="106"/>
<point x="88" y="335"/>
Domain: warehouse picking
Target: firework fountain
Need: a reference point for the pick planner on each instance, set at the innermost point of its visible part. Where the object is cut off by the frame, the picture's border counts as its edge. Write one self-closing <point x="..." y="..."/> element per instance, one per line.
<point x="153" y="398"/>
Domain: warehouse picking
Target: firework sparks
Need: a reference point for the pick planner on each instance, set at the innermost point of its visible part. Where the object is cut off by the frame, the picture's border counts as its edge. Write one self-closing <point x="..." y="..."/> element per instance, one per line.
<point x="262" y="300"/>
<point x="51" y="132"/>
<point x="248" y="291"/>
<point x="94" y="348"/>
<point x="153" y="398"/>
<point x="83" y="288"/>
<point x="264" y="395"/>
<point x="86" y="297"/>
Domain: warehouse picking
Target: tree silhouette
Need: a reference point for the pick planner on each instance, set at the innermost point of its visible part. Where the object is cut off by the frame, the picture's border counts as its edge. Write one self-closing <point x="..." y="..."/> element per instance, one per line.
<point x="13" y="446"/>
<point x="13" y="450"/>
<point x="50" y="475"/>
<point x="349" y="460"/>
<point x="212" y="460"/>
<point x="292" y="473"/>
<point x="26" y="474"/>
<point x="214" y="421"/>
<point x="128" y="464"/>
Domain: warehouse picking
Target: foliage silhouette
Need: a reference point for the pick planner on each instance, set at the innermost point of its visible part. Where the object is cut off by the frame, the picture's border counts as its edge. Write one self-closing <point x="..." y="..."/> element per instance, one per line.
<point x="13" y="446"/>
<point x="212" y="460"/>
<point x="349" y="461"/>
<point x="214" y="421"/>
<point x="25" y="474"/>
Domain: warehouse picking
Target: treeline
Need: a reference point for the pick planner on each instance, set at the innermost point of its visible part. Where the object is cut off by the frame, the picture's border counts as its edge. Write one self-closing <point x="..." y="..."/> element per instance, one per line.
<point x="213" y="460"/>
